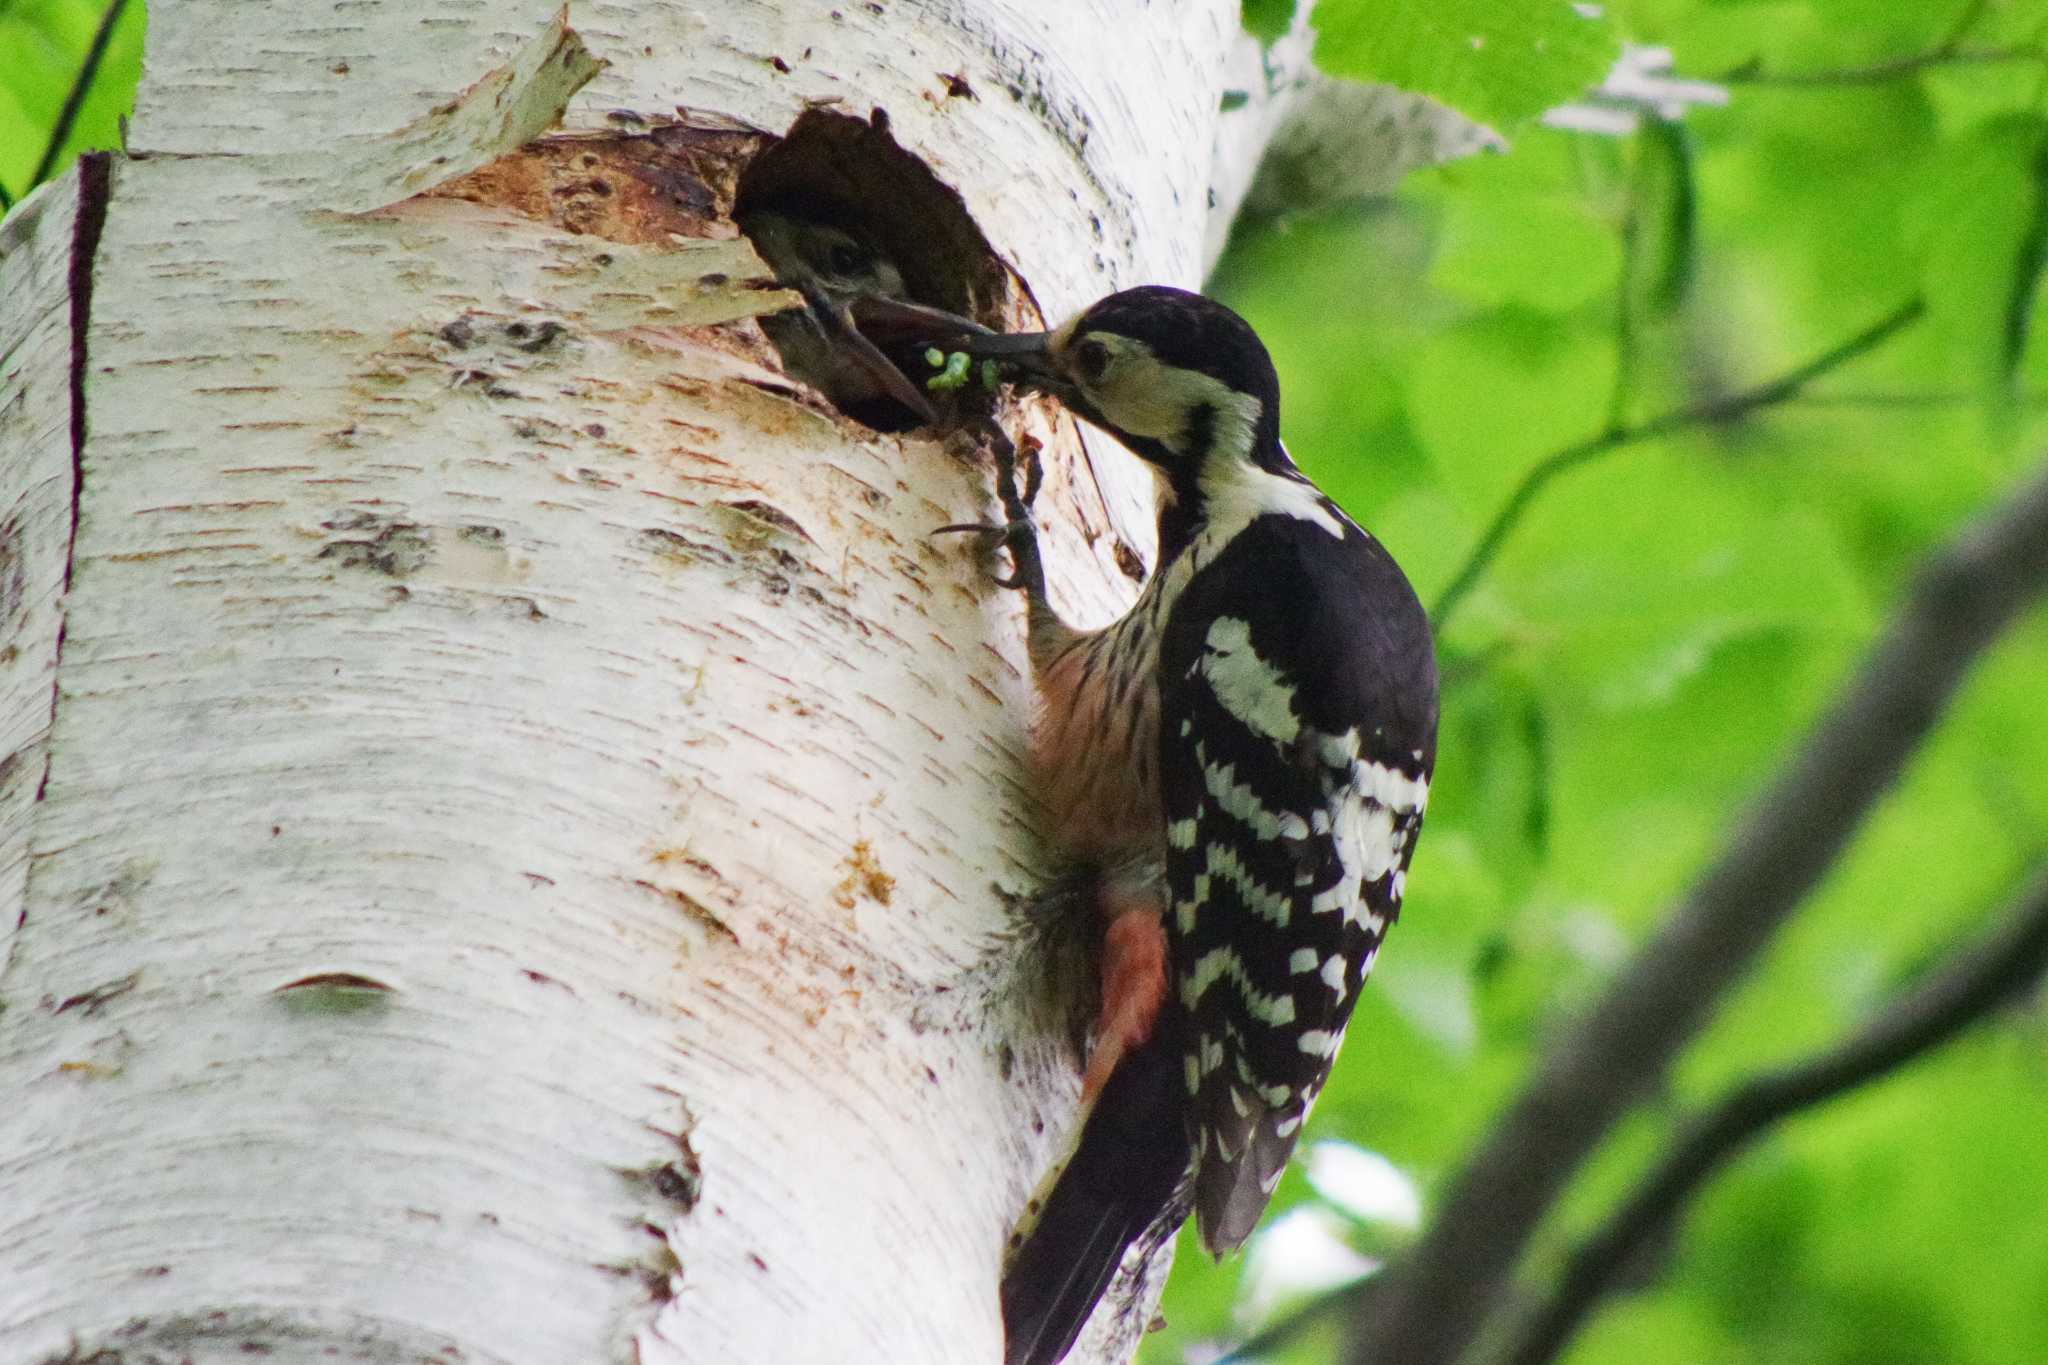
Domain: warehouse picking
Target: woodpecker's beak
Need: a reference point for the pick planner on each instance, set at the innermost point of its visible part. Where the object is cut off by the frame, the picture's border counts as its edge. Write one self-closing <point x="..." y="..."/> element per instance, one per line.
<point x="1026" y="359"/>
<point x="1024" y="356"/>
<point x="1027" y="355"/>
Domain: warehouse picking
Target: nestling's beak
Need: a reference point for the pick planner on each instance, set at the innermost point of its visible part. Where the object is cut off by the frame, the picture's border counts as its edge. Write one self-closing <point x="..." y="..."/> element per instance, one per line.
<point x="860" y="349"/>
<point x="901" y="321"/>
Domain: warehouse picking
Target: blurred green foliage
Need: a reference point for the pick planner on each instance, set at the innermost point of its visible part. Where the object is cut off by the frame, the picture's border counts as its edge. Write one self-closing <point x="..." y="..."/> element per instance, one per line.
<point x="1666" y="620"/>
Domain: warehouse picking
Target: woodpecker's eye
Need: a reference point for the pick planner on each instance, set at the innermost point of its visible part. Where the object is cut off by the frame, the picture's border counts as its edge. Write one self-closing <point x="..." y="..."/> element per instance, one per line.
<point x="1091" y="359"/>
<point x="847" y="259"/>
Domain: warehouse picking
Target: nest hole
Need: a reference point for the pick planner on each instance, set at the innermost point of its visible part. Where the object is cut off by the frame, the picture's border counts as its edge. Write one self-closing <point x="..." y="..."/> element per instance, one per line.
<point x="850" y="174"/>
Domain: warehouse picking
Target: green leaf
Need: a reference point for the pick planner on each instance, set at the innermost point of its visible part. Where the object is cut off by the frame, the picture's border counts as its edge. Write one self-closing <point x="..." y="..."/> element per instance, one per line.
<point x="2032" y="257"/>
<point x="1982" y="221"/>
<point x="1497" y="61"/>
<point x="46" y="43"/>
<point x="1663" y="218"/>
<point x="1267" y="20"/>
<point x="1551" y="253"/>
<point x="1494" y="394"/>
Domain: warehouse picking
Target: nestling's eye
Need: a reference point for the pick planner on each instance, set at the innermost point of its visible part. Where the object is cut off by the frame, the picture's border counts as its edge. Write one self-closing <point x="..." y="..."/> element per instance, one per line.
<point x="1091" y="359"/>
<point x="847" y="259"/>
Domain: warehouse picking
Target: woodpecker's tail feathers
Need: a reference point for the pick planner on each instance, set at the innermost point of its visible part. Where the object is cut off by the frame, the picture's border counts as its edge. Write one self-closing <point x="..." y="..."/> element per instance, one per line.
<point x="1126" y="1171"/>
<point x="1243" y="1159"/>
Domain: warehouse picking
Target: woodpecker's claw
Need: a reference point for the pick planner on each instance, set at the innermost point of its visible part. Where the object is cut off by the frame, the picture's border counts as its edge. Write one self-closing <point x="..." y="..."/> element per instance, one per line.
<point x="1019" y="537"/>
<point x="1018" y="504"/>
<point x="1019" y="533"/>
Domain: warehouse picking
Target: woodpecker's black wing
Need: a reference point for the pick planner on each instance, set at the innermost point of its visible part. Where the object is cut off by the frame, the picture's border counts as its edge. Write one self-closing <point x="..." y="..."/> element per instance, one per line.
<point x="1297" y="734"/>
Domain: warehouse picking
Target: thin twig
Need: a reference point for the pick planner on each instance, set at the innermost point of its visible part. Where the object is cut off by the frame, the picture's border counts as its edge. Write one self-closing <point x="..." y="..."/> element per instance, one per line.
<point x="1624" y="323"/>
<point x="1965" y="21"/>
<point x="1877" y="73"/>
<point x="1932" y="399"/>
<point x="1969" y="986"/>
<point x="1725" y="408"/>
<point x="1948" y="52"/>
<point x="1436" y="1300"/>
<point x="81" y="85"/>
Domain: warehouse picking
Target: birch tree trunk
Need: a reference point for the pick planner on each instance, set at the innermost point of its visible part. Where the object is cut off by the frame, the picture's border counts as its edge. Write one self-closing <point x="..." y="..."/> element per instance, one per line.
<point x="512" y="826"/>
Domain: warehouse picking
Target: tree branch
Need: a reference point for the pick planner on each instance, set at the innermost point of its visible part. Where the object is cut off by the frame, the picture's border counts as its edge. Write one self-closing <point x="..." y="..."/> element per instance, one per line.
<point x="74" y="100"/>
<point x="1932" y="398"/>
<point x="1963" y="597"/>
<point x="1969" y="986"/>
<point x="1876" y="73"/>
<point x="1948" y="52"/>
<point x="1966" y="20"/>
<point x="1725" y="408"/>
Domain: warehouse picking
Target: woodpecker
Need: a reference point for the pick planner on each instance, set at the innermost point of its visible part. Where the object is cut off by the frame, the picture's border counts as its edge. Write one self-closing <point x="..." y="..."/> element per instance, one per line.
<point x="1246" y="756"/>
<point x="822" y="343"/>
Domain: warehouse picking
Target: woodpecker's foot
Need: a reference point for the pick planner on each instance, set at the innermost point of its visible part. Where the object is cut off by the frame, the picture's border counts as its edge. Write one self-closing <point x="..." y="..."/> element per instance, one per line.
<point x="1133" y="984"/>
<point x="1022" y="537"/>
<point x="1018" y="532"/>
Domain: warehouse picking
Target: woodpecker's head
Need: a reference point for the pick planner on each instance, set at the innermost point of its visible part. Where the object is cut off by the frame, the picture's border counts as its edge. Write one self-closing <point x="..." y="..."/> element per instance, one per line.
<point x="1179" y="378"/>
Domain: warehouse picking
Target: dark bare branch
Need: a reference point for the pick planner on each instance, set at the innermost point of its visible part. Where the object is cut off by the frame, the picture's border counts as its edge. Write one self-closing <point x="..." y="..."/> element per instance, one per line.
<point x="1435" y="1301"/>
<point x="1973" y="983"/>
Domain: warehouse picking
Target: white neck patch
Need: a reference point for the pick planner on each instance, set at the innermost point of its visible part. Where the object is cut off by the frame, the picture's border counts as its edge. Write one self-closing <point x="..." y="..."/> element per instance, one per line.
<point x="1237" y="491"/>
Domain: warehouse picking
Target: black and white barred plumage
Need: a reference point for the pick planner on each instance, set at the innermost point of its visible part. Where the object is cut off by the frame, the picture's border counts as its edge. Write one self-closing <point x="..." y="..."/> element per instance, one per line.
<point x="1298" y="736"/>
<point x="1256" y="737"/>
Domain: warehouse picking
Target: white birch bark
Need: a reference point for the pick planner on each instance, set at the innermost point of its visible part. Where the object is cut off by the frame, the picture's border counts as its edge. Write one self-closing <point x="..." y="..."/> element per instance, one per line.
<point x="510" y="850"/>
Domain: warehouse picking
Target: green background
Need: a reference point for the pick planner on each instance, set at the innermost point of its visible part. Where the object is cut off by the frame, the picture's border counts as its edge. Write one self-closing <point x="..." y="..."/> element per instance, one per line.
<point x="1669" y="618"/>
<point x="1665" y="620"/>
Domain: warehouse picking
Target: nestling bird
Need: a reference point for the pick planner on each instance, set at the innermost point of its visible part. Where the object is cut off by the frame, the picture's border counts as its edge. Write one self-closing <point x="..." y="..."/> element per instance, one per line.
<point x="821" y="343"/>
<point x="1246" y="756"/>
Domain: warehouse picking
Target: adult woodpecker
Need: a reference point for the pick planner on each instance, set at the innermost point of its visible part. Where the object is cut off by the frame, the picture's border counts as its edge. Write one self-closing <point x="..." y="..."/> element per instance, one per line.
<point x="1246" y="755"/>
